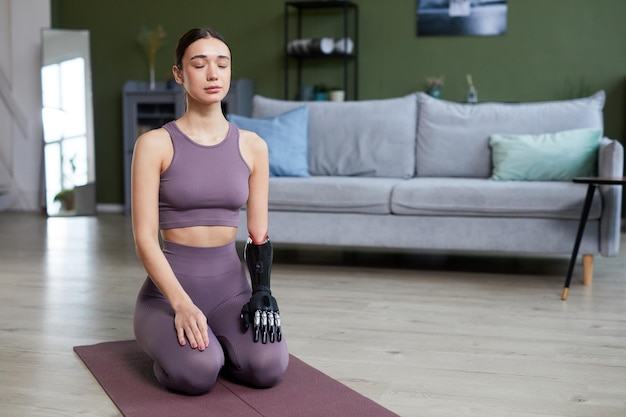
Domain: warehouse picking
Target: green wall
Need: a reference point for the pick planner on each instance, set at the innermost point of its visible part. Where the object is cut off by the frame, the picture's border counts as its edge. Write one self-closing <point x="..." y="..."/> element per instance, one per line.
<point x="553" y="49"/>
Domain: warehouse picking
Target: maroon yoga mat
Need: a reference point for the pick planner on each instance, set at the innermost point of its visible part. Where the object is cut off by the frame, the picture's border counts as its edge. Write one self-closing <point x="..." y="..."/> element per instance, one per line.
<point x="125" y="373"/>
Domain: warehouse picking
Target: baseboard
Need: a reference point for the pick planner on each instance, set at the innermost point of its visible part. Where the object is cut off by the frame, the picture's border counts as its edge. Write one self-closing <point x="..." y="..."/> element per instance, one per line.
<point x="110" y="208"/>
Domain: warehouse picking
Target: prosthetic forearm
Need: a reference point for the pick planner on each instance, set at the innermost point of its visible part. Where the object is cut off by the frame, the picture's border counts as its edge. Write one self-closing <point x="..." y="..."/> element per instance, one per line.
<point x="262" y="309"/>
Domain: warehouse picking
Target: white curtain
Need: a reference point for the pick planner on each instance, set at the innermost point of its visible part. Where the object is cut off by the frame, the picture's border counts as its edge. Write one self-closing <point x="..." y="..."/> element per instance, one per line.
<point x="21" y="22"/>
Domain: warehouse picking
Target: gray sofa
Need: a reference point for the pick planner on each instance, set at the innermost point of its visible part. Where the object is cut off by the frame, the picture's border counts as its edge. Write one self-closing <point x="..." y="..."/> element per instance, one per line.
<point x="414" y="173"/>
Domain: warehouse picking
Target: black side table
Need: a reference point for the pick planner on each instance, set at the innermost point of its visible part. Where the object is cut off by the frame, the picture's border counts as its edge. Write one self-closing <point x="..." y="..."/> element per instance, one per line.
<point x="593" y="183"/>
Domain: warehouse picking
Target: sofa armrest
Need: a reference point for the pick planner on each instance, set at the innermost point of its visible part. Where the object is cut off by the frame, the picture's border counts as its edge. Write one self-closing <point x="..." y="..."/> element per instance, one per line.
<point x="610" y="164"/>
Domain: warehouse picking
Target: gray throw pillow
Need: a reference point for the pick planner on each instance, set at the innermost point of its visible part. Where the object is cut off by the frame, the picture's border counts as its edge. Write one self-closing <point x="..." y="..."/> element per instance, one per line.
<point x="373" y="138"/>
<point x="453" y="138"/>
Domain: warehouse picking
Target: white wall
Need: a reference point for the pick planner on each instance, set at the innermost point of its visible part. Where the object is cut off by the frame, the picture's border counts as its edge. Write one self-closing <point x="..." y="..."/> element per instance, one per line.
<point x="21" y="142"/>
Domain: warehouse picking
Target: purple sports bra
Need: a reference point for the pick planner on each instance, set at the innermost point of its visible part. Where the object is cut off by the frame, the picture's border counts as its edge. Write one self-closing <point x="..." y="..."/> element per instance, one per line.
<point x="204" y="185"/>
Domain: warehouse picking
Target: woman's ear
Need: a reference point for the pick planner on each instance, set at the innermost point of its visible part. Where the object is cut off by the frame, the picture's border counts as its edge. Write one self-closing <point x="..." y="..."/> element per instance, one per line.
<point x="178" y="74"/>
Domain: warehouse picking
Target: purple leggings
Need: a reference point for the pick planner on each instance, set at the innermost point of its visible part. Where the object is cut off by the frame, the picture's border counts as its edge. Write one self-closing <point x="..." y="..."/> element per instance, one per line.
<point x="215" y="280"/>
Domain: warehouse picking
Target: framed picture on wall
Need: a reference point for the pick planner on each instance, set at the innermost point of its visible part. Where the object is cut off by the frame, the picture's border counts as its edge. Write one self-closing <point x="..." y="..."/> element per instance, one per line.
<point x="461" y="17"/>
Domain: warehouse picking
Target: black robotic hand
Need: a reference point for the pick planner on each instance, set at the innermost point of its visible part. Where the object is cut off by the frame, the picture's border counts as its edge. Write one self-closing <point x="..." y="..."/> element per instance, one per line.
<point x="262" y="310"/>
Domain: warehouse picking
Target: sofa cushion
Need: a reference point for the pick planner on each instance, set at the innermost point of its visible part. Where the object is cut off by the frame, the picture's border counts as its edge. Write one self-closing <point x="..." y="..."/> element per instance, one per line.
<point x="331" y="194"/>
<point x="453" y="138"/>
<point x="557" y="156"/>
<point x="286" y="137"/>
<point x="372" y="138"/>
<point x="484" y="197"/>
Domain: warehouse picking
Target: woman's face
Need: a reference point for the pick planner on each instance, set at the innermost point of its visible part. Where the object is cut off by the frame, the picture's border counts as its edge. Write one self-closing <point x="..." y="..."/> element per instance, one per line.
<point x="206" y="70"/>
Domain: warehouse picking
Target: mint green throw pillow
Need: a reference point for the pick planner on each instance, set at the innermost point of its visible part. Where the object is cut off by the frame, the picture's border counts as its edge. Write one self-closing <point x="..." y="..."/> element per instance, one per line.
<point x="557" y="156"/>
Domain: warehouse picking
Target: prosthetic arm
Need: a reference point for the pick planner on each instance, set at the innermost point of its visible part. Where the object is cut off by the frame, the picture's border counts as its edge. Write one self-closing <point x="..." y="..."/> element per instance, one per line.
<point x="262" y="309"/>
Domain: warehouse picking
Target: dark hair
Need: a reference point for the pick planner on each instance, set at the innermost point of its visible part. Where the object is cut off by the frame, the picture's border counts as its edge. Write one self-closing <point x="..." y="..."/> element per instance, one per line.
<point x="190" y="37"/>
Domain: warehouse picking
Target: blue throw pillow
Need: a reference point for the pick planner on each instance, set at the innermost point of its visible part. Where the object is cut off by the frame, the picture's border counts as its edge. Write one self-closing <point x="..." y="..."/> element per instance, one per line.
<point x="557" y="156"/>
<point x="286" y="136"/>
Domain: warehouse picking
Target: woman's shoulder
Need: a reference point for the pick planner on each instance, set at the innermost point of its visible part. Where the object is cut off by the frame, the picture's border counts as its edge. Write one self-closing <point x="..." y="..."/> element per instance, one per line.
<point x="251" y="140"/>
<point x="156" y="136"/>
<point x="253" y="149"/>
<point x="155" y="140"/>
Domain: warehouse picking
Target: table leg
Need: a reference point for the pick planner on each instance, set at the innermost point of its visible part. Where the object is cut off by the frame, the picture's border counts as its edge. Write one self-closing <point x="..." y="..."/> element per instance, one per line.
<point x="579" y="235"/>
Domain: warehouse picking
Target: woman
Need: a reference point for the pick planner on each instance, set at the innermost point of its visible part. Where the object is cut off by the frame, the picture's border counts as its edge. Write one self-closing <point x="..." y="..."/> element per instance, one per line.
<point x="189" y="180"/>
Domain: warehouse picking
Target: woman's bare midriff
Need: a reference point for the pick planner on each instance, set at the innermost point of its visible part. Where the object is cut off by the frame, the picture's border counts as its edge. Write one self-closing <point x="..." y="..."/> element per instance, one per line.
<point x="201" y="236"/>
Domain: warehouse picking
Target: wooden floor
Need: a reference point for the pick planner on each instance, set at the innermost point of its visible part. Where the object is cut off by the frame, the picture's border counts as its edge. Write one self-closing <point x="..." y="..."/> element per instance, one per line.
<point x="429" y="336"/>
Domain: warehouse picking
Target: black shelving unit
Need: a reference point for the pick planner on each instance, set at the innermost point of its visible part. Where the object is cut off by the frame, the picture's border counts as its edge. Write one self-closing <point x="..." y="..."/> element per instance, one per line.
<point x="350" y="13"/>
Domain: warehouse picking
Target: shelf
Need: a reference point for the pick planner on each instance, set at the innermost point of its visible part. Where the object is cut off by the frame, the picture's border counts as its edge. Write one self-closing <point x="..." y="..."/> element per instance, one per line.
<point x="321" y="4"/>
<point x="321" y="55"/>
<point x="346" y="62"/>
<point x="155" y="115"/>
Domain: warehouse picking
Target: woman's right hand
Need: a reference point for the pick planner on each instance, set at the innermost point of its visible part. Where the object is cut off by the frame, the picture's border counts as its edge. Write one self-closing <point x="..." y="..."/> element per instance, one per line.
<point x="191" y="324"/>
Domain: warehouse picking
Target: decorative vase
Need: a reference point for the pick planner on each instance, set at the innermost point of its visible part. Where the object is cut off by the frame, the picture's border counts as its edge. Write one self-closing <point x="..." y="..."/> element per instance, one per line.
<point x="152" y="79"/>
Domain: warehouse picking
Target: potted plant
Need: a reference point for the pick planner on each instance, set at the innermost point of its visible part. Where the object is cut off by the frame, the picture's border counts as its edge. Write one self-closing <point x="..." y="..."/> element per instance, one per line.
<point x="151" y="41"/>
<point x="66" y="198"/>
<point x="433" y="86"/>
<point x="320" y="92"/>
